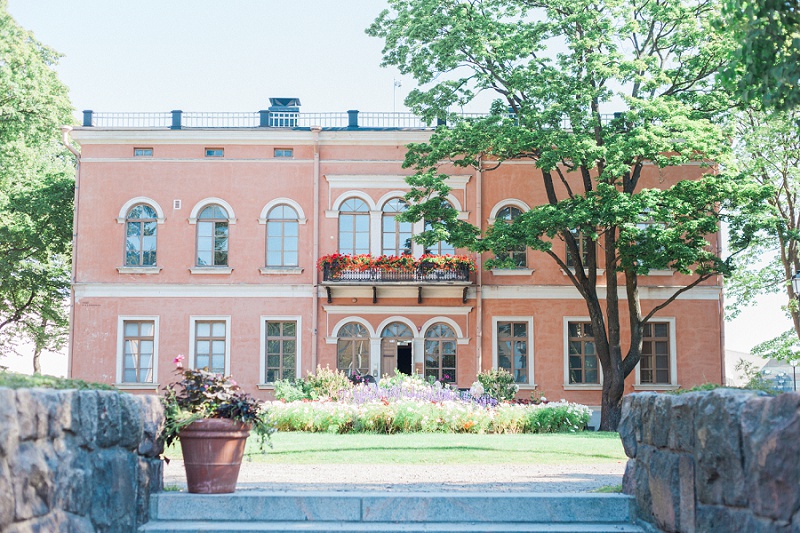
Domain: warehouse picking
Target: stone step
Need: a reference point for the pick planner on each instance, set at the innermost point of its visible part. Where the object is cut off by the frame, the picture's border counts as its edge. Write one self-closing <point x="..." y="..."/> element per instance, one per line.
<point x="403" y="507"/>
<point x="381" y="527"/>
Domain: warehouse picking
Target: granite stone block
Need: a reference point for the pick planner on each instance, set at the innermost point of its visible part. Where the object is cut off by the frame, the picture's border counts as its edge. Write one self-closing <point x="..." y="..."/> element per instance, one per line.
<point x="108" y="418"/>
<point x="9" y="426"/>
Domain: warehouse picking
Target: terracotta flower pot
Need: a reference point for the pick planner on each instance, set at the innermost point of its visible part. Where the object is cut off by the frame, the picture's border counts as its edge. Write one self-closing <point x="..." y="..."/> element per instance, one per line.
<point x="212" y="454"/>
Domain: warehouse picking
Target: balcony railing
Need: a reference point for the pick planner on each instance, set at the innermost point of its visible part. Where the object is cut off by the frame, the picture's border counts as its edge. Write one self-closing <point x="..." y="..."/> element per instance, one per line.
<point x="421" y="274"/>
<point x="353" y="119"/>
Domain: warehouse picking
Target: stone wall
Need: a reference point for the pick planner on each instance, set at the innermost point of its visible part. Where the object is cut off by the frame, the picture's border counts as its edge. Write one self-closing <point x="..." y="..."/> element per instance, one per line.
<point x="725" y="460"/>
<point x="77" y="461"/>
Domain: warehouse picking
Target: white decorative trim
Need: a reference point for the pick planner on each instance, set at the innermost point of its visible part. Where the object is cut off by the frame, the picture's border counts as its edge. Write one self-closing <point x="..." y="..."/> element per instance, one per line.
<point x="280" y="270"/>
<point x="139" y="270"/>
<point x="211" y="270"/>
<point x="208" y="201"/>
<point x="385" y="181"/>
<point x="569" y="292"/>
<point x="655" y="388"/>
<point x="512" y="271"/>
<point x="263" y="344"/>
<point x="381" y="203"/>
<point x="262" y="218"/>
<point x="578" y="386"/>
<point x="192" y="290"/>
<point x="665" y="272"/>
<point x="529" y="342"/>
<point x="397" y="318"/>
<point x="450" y="322"/>
<point x="265" y="386"/>
<point x="121" y="319"/>
<point x="342" y="198"/>
<point x="673" y="358"/>
<point x="123" y="212"/>
<point x="513" y="202"/>
<point x="395" y="310"/>
<point x="600" y="271"/>
<point x="352" y="318"/>
<point x="193" y="331"/>
<point x="137" y="386"/>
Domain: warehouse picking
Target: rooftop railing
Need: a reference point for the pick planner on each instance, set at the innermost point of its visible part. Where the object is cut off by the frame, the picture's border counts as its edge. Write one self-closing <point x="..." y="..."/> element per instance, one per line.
<point x="352" y="119"/>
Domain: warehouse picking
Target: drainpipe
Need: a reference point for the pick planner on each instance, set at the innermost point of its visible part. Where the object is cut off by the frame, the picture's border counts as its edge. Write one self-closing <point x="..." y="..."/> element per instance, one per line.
<point x="721" y="282"/>
<point x="315" y="298"/>
<point x="479" y="267"/>
<point x="76" y="202"/>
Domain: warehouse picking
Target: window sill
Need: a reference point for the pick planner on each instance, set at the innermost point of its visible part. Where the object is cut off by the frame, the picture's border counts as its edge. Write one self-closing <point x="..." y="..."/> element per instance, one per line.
<point x="668" y="272"/>
<point x="654" y="387"/>
<point x="211" y="270"/>
<point x="266" y="386"/>
<point x="512" y="271"/>
<point x="573" y="386"/>
<point x="526" y="386"/>
<point x="136" y="386"/>
<point x="281" y="270"/>
<point x="139" y="270"/>
<point x="600" y="271"/>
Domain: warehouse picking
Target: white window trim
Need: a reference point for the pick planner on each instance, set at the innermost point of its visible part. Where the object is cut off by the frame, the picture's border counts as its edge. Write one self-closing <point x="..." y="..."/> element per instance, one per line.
<point x="673" y="360"/>
<point x="301" y="216"/>
<point x="374" y="340"/>
<point x="139" y="269"/>
<point x="217" y="270"/>
<point x="192" y="331"/>
<point x="121" y="319"/>
<point x="512" y="271"/>
<point x="578" y="386"/>
<point x="460" y="339"/>
<point x="122" y="217"/>
<point x="208" y="201"/>
<point x="531" y="384"/>
<point x="508" y="202"/>
<point x="263" y="344"/>
<point x="267" y="271"/>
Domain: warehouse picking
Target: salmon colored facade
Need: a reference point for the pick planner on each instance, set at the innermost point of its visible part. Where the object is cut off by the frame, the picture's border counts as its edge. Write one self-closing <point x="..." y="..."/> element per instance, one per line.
<point x="204" y="241"/>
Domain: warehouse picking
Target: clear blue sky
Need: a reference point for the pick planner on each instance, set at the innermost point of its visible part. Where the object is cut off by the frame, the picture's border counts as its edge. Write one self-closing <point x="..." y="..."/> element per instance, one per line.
<point x="213" y="55"/>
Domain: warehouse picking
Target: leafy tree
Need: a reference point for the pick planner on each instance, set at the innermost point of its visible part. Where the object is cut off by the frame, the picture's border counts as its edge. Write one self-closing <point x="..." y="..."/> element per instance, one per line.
<point x="557" y="66"/>
<point x="36" y="184"/>
<point x="768" y="150"/>
<point x="765" y="67"/>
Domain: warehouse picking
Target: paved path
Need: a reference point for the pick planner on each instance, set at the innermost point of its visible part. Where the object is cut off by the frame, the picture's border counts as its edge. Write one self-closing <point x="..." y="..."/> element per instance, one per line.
<point x="423" y="478"/>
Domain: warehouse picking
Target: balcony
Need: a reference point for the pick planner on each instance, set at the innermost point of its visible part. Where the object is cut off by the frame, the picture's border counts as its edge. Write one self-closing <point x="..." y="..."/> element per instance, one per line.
<point x="390" y="271"/>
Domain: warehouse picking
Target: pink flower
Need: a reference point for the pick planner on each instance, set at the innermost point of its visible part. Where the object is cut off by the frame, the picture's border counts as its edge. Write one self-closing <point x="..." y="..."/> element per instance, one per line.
<point x="179" y="360"/>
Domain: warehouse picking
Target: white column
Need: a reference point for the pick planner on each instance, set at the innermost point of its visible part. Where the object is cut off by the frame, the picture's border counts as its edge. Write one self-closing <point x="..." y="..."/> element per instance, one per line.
<point x="375" y="356"/>
<point x="375" y="234"/>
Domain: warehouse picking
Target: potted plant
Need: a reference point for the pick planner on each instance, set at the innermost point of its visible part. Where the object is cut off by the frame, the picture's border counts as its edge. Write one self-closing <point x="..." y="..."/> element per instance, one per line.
<point x="212" y="417"/>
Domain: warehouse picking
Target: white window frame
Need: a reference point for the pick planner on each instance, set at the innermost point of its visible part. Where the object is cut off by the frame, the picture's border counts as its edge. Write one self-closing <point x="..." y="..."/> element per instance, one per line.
<point x="121" y="319"/>
<point x="192" y="334"/>
<point x="578" y="386"/>
<point x="531" y="384"/>
<point x="673" y="360"/>
<point x="263" y="345"/>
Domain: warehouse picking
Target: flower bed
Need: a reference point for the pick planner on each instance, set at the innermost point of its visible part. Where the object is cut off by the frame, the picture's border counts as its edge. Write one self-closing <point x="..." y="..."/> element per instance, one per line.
<point x="448" y="416"/>
<point x="336" y="263"/>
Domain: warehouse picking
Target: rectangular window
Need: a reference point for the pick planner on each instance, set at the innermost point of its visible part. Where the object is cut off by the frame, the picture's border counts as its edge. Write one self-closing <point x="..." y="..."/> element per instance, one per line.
<point x="654" y="366"/>
<point x="138" y="351"/>
<point x="214" y="152"/>
<point x="512" y="349"/>
<point x="210" y="345"/>
<point x="583" y="365"/>
<point x="583" y="246"/>
<point x="283" y="152"/>
<point x="281" y="348"/>
<point x="142" y="152"/>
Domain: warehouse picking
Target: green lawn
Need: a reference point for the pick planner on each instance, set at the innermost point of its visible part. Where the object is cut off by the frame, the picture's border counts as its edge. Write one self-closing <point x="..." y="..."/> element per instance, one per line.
<point x="438" y="448"/>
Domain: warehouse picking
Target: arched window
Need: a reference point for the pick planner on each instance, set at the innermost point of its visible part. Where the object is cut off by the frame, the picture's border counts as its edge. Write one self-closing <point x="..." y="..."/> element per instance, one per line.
<point x="212" y="236"/>
<point x="441" y="247"/>
<point x="440" y="353"/>
<point x="354" y="227"/>
<point x="517" y="254"/>
<point x="396" y="235"/>
<point x="352" y="349"/>
<point x="140" y="240"/>
<point x="282" y="237"/>
<point x="396" y="349"/>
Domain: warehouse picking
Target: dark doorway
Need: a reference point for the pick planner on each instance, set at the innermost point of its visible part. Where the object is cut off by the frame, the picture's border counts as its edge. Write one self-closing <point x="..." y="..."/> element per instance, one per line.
<point x="404" y="359"/>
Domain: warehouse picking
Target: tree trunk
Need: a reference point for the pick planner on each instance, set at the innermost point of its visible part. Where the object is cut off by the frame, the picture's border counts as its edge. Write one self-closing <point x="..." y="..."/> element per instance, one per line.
<point x="37" y="366"/>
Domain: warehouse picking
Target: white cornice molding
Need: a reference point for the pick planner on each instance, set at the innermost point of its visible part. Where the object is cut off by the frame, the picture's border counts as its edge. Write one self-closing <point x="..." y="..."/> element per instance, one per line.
<point x="395" y="310"/>
<point x="568" y="292"/>
<point x="195" y="290"/>
<point x="386" y="181"/>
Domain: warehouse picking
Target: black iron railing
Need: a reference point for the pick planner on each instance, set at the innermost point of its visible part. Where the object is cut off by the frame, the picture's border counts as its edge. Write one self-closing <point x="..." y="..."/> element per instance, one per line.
<point x="423" y="273"/>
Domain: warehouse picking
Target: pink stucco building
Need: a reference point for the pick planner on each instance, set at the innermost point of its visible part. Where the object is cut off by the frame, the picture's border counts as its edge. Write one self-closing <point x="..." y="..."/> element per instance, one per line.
<point x="200" y="234"/>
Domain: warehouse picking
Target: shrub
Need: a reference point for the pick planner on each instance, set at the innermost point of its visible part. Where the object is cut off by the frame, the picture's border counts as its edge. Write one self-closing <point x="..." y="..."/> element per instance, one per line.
<point x="14" y="380"/>
<point x="292" y="390"/>
<point x="327" y="383"/>
<point x="498" y="384"/>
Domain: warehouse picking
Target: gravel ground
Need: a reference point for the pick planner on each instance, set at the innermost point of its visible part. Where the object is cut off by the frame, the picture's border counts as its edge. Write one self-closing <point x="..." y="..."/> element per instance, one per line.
<point x="418" y="478"/>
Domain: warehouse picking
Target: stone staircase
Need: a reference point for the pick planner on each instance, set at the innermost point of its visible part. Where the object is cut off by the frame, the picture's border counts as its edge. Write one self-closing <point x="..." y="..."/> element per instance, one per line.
<point x="378" y="511"/>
